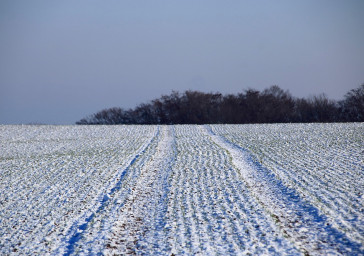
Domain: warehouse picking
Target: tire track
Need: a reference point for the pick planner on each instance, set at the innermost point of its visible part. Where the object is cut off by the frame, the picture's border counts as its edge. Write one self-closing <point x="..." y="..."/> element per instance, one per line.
<point x="182" y="190"/>
<point x="322" y="162"/>
<point x="42" y="195"/>
<point x="211" y="211"/>
<point x="299" y="221"/>
<point x="140" y="227"/>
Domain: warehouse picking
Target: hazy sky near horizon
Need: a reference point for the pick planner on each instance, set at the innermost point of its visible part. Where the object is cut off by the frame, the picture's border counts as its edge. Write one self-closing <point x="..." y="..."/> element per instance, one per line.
<point x="63" y="60"/>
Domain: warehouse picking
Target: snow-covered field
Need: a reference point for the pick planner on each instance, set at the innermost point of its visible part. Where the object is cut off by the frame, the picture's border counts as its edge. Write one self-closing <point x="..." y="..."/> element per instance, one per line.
<point x="285" y="189"/>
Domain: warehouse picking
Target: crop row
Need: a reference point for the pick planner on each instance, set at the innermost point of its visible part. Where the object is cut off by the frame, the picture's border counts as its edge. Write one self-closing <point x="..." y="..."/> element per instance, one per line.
<point x="284" y="189"/>
<point x="322" y="162"/>
<point x="44" y="192"/>
<point x="211" y="209"/>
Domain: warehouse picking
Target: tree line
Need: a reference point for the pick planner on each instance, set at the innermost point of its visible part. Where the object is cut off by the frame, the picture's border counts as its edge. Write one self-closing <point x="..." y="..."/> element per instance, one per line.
<point x="272" y="105"/>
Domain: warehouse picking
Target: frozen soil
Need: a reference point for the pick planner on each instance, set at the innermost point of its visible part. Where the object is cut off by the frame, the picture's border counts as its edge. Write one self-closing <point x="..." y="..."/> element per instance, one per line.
<point x="182" y="190"/>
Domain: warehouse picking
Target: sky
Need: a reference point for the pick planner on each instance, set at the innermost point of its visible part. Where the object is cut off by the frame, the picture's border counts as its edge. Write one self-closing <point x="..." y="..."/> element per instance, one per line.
<point x="61" y="61"/>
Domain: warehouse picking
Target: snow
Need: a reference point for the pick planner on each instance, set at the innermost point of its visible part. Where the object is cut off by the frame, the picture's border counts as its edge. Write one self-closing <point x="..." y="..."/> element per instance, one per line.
<point x="284" y="189"/>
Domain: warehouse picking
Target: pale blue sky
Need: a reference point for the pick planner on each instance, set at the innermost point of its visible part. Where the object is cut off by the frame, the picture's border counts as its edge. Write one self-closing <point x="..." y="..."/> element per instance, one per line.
<point x="63" y="60"/>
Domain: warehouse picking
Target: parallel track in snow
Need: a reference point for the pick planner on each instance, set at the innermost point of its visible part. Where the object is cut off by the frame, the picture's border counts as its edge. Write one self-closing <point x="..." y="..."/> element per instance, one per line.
<point x="87" y="235"/>
<point x="211" y="210"/>
<point x="140" y="224"/>
<point x="182" y="190"/>
<point x="323" y="163"/>
<point x="301" y="222"/>
<point x="45" y="193"/>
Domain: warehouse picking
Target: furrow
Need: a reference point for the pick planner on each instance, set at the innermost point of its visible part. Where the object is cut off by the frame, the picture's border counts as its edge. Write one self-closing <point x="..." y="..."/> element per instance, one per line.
<point x="65" y="186"/>
<point x="322" y="162"/>
<point x="130" y="220"/>
<point x="208" y="211"/>
<point x="298" y="220"/>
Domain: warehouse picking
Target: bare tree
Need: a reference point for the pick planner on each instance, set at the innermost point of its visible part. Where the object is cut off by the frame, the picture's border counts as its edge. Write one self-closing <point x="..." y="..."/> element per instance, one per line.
<point x="352" y="107"/>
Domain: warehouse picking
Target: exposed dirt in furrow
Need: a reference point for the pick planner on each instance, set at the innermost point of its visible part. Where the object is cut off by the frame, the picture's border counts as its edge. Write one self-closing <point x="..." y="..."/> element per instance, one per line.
<point x="172" y="190"/>
<point x="210" y="209"/>
<point x="322" y="162"/>
<point x="138" y="217"/>
<point x="46" y="194"/>
<point x="298" y="220"/>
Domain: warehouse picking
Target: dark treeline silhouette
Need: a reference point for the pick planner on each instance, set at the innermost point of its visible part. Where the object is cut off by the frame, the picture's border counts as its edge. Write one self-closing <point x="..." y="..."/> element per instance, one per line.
<point x="272" y="105"/>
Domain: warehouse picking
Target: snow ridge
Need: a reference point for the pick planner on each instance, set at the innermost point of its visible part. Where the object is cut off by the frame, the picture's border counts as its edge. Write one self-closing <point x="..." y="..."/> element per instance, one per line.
<point x="59" y="176"/>
<point x="77" y="230"/>
<point x="282" y="189"/>
<point x="140" y="227"/>
<point x="299" y="221"/>
<point x="211" y="210"/>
